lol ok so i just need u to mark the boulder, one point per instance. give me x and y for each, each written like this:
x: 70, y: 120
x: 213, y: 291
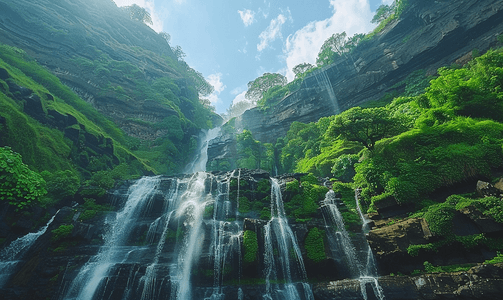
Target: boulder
x: 485, y: 224
x: 485, y: 189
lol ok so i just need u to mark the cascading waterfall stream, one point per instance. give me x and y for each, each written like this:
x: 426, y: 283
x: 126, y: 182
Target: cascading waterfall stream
x: 324, y: 81
x: 225, y: 236
x: 94, y: 273
x: 191, y: 210
x: 199, y: 163
x: 365, y: 273
x: 370, y: 272
x: 12, y: 254
x: 279, y: 237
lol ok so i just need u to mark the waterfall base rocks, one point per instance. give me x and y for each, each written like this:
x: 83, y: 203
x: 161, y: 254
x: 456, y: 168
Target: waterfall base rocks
x: 480, y: 282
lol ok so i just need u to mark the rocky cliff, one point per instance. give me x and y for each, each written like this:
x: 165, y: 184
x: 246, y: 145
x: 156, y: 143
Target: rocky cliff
x: 428, y: 35
x: 143, y: 239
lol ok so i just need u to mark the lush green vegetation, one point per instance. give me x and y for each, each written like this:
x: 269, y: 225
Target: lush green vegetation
x: 301, y: 203
x: 252, y: 154
x: 61, y: 232
x: 495, y: 260
x: 315, y: 247
x: 250, y: 245
x: 19, y: 185
x: 443, y: 135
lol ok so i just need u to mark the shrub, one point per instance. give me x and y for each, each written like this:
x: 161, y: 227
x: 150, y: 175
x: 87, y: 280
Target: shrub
x: 315, y: 247
x: 250, y: 245
x: 61, y: 232
x: 19, y: 185
x: 439, y: 219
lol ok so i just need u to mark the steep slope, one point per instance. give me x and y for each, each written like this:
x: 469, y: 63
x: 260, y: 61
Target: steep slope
x: 120, y: 66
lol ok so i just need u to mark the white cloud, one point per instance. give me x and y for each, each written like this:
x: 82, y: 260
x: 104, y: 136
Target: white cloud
x: 150, y: 7
x: 247, y: 16
x: 351, y: 16
x: 273, y: 31
x: 216, y: 81
x: 240, y: 98
x: 238, y: 90
x: 387, y: 2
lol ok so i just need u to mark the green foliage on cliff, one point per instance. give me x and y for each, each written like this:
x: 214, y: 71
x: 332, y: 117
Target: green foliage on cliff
x: 253, y: 154
x: 447, y: 134
x: 385, y: 16
x: 61, y: 232
x: 250, y: 245
x: 315, y: 247
x: 307, y: 149
x: 489, y: 206
x: 302, y: 204
x: 366, y: 126
x: 19, y: 186
x: 439, y: 218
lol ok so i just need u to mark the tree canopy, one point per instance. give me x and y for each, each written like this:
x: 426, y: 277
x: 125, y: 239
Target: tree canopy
x: 337, y: 45
x: 138, y: 13
x: 300, y: 69
x: 365, y: 126
x: 383, y: 12
x: 262, y: 84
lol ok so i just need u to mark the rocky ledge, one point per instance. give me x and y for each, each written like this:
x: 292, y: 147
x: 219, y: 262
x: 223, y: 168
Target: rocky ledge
x: 480, y: 282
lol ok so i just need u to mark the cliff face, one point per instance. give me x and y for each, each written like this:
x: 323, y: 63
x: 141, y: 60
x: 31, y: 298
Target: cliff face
x: 104, y: 56
x: 221, y: 223
x: 428, y: 35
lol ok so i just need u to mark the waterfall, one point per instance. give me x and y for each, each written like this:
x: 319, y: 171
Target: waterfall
x: 199, y: 163
x: 279, y: 238
x: 364, y: 272
x: 190, y: 210
x: 323, y: 80
x: 12, y: 254
x: 225, y: 237
x: 95, y: 272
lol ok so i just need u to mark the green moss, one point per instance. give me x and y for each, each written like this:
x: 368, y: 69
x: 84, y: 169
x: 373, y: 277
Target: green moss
x: 413, y: 250
x: 244, y: 205
x: 293, y: 186
x: 304, y: 203
x: 439, y: 219
x: 315, y: 247
x: 61, y: 232
x: 429, y: 268
x: 264, y: 186
x: 495, y: 260
x: 250, y: 245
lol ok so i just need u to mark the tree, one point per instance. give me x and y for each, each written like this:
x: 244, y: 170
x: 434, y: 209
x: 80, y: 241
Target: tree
x: 382, y: 13
x: 365, y: 125
x: 352, y: 42
x: 178, y: 52
x: 333, y: 45
x: 138, y: 13
x: 301, y: 69
x: 259, y: 86
x: 165, y: 36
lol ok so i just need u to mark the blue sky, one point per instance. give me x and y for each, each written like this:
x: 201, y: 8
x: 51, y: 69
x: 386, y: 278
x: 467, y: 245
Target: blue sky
x: 235, y: 41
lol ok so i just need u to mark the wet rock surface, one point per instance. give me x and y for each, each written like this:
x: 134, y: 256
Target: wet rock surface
x: 480, y: 282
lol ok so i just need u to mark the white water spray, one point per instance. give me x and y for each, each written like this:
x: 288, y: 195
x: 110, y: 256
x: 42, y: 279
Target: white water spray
x: 12, y: 254
x: 365, y: 273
